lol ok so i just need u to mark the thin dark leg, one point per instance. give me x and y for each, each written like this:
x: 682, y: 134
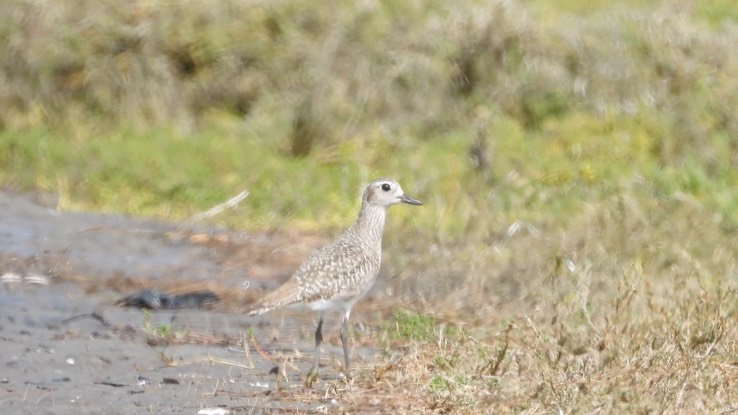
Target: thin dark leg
x: 318, y: 340
x: 344, y: 340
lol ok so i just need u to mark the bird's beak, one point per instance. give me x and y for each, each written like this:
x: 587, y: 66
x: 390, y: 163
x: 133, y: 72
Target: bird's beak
x: 409, y: 200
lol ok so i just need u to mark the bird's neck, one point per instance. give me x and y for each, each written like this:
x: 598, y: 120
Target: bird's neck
x: 369, y: 226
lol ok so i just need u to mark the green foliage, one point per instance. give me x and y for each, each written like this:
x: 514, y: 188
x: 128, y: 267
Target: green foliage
x: 210, y: 100
x: 718, y: 12
x: 413, y: 326
x: 162, y: 330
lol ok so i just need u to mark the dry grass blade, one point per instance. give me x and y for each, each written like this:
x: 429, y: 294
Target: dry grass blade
x: 228, y: 204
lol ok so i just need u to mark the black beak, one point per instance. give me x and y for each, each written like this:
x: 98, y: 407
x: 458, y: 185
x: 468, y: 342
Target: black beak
x: 409, y: 200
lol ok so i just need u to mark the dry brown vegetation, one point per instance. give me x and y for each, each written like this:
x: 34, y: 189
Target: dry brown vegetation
x: 625, y: 312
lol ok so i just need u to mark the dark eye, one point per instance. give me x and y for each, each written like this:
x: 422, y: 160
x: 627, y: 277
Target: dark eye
x: 386, y: 187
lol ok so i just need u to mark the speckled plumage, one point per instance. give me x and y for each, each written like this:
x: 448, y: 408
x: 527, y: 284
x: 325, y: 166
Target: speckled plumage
x: 339, y: 274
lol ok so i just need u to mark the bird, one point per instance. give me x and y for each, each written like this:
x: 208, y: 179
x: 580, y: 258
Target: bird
x: 336, y: 276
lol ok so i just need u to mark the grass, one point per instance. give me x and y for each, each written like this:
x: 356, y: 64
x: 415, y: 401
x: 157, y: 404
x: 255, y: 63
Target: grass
x: 153, y: 330
x: 415, y: 326
x: 577, y: 162
x: 666, y: 360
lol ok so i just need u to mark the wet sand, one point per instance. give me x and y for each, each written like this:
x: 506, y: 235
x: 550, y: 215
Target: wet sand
x: 67, y: 348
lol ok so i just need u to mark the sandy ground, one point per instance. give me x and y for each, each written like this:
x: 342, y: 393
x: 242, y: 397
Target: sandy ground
x: 67, y: 348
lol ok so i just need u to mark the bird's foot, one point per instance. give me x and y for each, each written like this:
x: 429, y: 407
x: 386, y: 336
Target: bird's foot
x: 311, y: 378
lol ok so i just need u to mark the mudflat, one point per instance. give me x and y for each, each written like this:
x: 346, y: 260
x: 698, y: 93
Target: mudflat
x: 66, y: 347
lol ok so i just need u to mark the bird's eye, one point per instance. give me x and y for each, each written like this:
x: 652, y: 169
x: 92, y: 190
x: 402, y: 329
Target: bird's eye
x: 386, y: 187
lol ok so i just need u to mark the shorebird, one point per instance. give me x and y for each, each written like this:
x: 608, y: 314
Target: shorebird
x: 336, y: 276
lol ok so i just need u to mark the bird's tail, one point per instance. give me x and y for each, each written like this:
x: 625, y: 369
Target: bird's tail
x: 288, y: 293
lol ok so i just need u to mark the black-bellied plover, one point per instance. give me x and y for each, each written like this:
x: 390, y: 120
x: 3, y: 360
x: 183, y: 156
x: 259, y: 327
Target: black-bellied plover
x: 339, y: 274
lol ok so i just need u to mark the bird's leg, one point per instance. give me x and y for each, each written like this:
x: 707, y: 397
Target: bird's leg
x: 344, y: 340
x: 312, y: 376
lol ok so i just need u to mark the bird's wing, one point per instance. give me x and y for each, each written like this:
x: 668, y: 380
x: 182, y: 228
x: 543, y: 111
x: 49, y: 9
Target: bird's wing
x: 341, y: 270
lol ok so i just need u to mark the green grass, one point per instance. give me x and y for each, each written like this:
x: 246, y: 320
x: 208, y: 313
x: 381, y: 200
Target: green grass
x: 545, y: 176
x: 161, y: 331
x: 413, y: 326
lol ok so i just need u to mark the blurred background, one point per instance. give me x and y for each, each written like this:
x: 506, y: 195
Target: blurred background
x: 563, y: 149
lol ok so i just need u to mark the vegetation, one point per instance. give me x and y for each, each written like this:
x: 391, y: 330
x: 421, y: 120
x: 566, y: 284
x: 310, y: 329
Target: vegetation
x: 578, y: 162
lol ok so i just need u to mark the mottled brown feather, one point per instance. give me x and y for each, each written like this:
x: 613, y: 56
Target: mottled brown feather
x: 286, y: 294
